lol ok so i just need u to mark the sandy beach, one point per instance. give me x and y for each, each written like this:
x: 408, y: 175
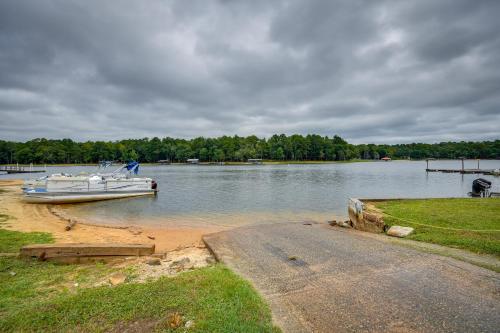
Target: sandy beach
x: 27, y: 217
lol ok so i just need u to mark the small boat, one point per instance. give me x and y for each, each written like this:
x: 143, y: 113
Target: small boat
x: 66, y: 188
x: 481, y: 188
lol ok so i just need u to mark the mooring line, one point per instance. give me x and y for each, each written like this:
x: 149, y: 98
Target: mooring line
x: 437, y: 227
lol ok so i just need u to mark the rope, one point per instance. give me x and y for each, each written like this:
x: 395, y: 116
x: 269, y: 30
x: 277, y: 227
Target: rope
x: 437, y: 227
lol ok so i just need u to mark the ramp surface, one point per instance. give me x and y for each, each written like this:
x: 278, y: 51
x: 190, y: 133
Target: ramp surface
x: 319, y: 278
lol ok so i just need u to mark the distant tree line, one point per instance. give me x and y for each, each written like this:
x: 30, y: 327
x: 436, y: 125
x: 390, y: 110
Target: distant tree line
x: 233, y: 148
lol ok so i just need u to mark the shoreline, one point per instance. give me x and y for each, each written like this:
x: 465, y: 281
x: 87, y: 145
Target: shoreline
x: 227, y: 163
x: 264, y: 162
x: 26, y: 217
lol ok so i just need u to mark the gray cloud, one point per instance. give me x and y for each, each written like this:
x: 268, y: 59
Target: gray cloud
x: 385, y: 71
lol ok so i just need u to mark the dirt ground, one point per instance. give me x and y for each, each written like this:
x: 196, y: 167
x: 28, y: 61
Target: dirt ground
x: 28, y: 217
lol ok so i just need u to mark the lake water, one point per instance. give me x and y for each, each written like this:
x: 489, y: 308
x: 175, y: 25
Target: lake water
x: 202, y: 195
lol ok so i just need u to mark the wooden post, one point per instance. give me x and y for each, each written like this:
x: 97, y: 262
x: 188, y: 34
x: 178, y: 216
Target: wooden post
x: 478, y: 163
x: 427, y: 161
x: 462, y: 164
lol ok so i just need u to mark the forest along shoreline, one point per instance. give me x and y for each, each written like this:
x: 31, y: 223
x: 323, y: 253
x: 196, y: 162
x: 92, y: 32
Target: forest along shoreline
x: 226, y: 149
x: 26, y: 217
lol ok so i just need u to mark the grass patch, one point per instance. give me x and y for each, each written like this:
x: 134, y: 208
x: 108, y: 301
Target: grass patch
x: 35, y: 282
x: 214, y: 297
x: 469, y: 223
x: 12, y: 241
x: 48, y: 297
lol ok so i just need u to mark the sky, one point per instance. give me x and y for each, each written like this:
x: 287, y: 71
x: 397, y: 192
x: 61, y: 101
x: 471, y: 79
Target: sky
x: 369, y: 71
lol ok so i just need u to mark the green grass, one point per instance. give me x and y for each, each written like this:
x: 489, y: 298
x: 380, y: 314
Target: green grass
x: 214, y: 297
x: 47, y: 297
x: 36, y: 281
x: 12, y: 241
x: 470, y: 223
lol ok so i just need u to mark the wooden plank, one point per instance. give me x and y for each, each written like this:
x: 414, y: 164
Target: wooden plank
x: 46, y: 251
x: 86, y: 260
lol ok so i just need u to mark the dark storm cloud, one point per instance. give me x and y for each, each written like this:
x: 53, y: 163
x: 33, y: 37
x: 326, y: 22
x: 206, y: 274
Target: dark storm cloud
x: 385, y: 71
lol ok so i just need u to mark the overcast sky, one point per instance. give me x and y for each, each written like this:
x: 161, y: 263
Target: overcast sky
x: 370, y: 71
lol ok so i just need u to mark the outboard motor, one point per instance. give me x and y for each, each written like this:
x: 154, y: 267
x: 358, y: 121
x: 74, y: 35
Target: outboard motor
x: 480, y: 188
x: 154, y: 186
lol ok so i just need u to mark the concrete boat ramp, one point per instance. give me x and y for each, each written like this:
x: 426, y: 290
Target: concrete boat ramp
x: 318, y: 278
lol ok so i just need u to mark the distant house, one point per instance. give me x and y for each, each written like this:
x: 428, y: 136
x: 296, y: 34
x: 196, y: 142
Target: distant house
x: 255, y: 160
x: 193, y: 161
x: 387, y: 159
x: 163, y: 162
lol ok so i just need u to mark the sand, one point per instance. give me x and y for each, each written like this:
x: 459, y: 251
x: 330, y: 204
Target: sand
x: 28, y: 217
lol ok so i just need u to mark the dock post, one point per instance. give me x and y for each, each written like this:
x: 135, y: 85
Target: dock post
x: 462, y: 158
x: 427, y: 161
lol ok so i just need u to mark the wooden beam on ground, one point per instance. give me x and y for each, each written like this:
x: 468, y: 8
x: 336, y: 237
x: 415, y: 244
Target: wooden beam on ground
x: 85, y: 250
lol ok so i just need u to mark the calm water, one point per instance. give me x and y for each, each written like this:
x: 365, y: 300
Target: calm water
x: 233, y: 195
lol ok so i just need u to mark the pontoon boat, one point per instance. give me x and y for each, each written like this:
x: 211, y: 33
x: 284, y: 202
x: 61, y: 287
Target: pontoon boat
x: 65, y: 188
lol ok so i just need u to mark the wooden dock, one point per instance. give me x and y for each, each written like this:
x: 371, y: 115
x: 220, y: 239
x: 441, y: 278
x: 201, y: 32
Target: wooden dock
x: 463, y: 170
x: 19, y: 169
x: 467, y: 171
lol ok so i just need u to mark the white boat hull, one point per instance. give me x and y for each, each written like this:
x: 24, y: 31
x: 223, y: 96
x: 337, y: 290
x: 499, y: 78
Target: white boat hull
x: 64, y: 197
